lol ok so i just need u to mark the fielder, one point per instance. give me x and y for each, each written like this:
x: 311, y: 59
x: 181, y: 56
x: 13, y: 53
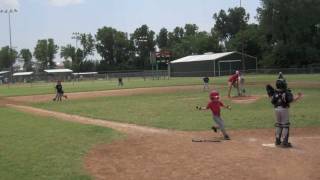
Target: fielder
x: 233, y: 81
x: 59, y: 92
x: 206, y: 83
x: 281, y: 97
x: 214, y: 105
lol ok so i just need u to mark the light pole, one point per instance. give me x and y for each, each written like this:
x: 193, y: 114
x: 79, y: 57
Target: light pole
x: 9, y: 12
x: 76, y: 36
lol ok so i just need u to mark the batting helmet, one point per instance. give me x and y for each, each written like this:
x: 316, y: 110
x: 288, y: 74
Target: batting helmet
x: 281, y: 84
x: 214, y: 95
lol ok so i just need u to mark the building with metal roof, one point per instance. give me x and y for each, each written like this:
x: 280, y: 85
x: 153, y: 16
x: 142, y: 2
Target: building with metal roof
x: 212, y: 64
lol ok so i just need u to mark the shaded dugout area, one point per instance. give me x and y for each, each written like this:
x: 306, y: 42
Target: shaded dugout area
x: 212, y: 64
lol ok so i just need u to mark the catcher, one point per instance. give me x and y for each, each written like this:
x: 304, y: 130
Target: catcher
x: 233, y: 81
x: 281, y: 97
x: 214, y: 105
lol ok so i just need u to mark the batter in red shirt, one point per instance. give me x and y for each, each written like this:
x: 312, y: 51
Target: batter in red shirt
x: 214, y: 105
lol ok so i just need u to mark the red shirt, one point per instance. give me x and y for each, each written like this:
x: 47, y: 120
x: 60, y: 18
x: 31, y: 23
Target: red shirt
x: 214, y: 106
x: 234, y: 78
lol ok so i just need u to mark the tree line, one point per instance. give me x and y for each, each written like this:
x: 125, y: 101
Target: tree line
x: 287, y: 35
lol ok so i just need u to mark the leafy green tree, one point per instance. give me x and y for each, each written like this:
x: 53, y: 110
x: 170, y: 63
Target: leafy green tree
x: 228, y: 25
x: 113, y: 46
x: 26, y: 55
x: 191, y: 29
x: 291, y: 29
x: 7, y: 57
x: 249, y: 40
x: 44, y: 52
x: 162, y: 38
x: 87, y: 42
x: 144, y: 41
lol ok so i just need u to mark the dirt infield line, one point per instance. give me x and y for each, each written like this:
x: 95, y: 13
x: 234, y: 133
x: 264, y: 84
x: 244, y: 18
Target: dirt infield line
x: 122, y: 127
x: 116, y: 92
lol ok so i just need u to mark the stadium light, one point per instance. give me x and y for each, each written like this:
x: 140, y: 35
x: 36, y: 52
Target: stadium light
x: 76, y: 36
x: 9, y: 12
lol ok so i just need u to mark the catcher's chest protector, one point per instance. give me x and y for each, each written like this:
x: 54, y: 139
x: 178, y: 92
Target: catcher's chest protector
x: 282, y: 98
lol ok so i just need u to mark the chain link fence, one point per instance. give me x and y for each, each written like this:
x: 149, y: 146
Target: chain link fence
x: 145, y: 75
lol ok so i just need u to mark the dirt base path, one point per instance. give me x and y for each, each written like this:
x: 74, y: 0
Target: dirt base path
x: 116, y: 92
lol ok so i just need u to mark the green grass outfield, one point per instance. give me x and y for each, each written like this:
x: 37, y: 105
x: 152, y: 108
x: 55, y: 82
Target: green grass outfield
x: 99, y: 85
x: 40, y: 148
x: 177, y: 110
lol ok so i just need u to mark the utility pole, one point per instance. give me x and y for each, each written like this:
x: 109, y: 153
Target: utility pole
x: 9, y: 12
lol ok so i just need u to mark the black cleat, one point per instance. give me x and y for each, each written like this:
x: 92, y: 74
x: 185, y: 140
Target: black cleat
x: 226, y: 137
x: 278, y: 142
x: 286, y: 145
x: 214, y: 129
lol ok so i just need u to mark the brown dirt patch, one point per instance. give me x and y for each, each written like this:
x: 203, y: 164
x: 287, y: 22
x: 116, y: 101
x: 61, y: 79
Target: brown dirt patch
x: 117, y: 92
x: 245, y: 99
x: 174, y: 156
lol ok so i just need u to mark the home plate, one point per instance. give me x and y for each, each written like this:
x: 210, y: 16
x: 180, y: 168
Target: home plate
x: 269, y: 145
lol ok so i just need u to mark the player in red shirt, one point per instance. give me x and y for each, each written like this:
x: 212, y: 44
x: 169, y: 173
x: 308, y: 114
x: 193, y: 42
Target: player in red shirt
x: 233, y: 81
x: 214, y: 105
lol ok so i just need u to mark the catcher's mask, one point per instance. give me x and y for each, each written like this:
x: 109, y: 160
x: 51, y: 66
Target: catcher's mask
x: 214, y: 95
x: 281, y: 84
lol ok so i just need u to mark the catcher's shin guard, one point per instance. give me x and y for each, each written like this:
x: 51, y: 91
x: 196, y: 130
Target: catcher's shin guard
x: 278, y: 133
x: 286, y: 133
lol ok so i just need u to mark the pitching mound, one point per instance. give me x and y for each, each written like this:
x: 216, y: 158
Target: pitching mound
x: 245, y: 99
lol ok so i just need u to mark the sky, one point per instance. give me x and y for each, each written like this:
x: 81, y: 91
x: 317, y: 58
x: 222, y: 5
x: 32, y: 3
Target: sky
x: 58, y: 19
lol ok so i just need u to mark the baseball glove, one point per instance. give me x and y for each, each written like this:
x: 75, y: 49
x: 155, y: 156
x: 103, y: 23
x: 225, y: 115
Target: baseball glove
x: 270, y: 90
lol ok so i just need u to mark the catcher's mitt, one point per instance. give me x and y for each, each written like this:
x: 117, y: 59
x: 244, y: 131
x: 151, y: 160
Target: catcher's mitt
x: 270, y: 90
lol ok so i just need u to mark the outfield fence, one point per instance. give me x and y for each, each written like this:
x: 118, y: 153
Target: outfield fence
x: 151, y: 75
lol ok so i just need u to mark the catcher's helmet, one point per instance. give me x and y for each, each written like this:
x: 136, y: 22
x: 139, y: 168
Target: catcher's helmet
x: 281, y: 84
x: 214, y: 95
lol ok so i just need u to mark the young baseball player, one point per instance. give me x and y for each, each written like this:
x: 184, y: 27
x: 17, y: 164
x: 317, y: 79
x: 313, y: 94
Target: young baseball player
x: 214, y: 105
x: 205, y: 83
x: 233, y: 81
x: 59, y: 92
x: 120, y: 82
x: 281, y: 97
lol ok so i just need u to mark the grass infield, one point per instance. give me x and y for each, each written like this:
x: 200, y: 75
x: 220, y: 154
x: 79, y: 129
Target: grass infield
x: 40, y: 148
x: 177, y: 110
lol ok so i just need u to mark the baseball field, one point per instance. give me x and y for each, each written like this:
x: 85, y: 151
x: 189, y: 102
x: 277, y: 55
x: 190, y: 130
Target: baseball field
x: 144, y: 131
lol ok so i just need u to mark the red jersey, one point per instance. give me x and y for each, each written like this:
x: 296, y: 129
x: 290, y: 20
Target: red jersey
x: 214, y: 106
x: 234, y: 78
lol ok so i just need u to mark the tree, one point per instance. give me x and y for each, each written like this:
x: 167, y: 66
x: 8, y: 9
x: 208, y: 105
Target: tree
x: 291, y: 29
x: 87, y: 43
x: 228, y: 25
x: 144, y: 42
x: 68, y: 53
x: 7, y: 57
x: 249, y: 40
x: 191, y: 29
x: 162, y: 38
x: 44, y: 52
x: 113, y: 46
x: 26, y: 55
